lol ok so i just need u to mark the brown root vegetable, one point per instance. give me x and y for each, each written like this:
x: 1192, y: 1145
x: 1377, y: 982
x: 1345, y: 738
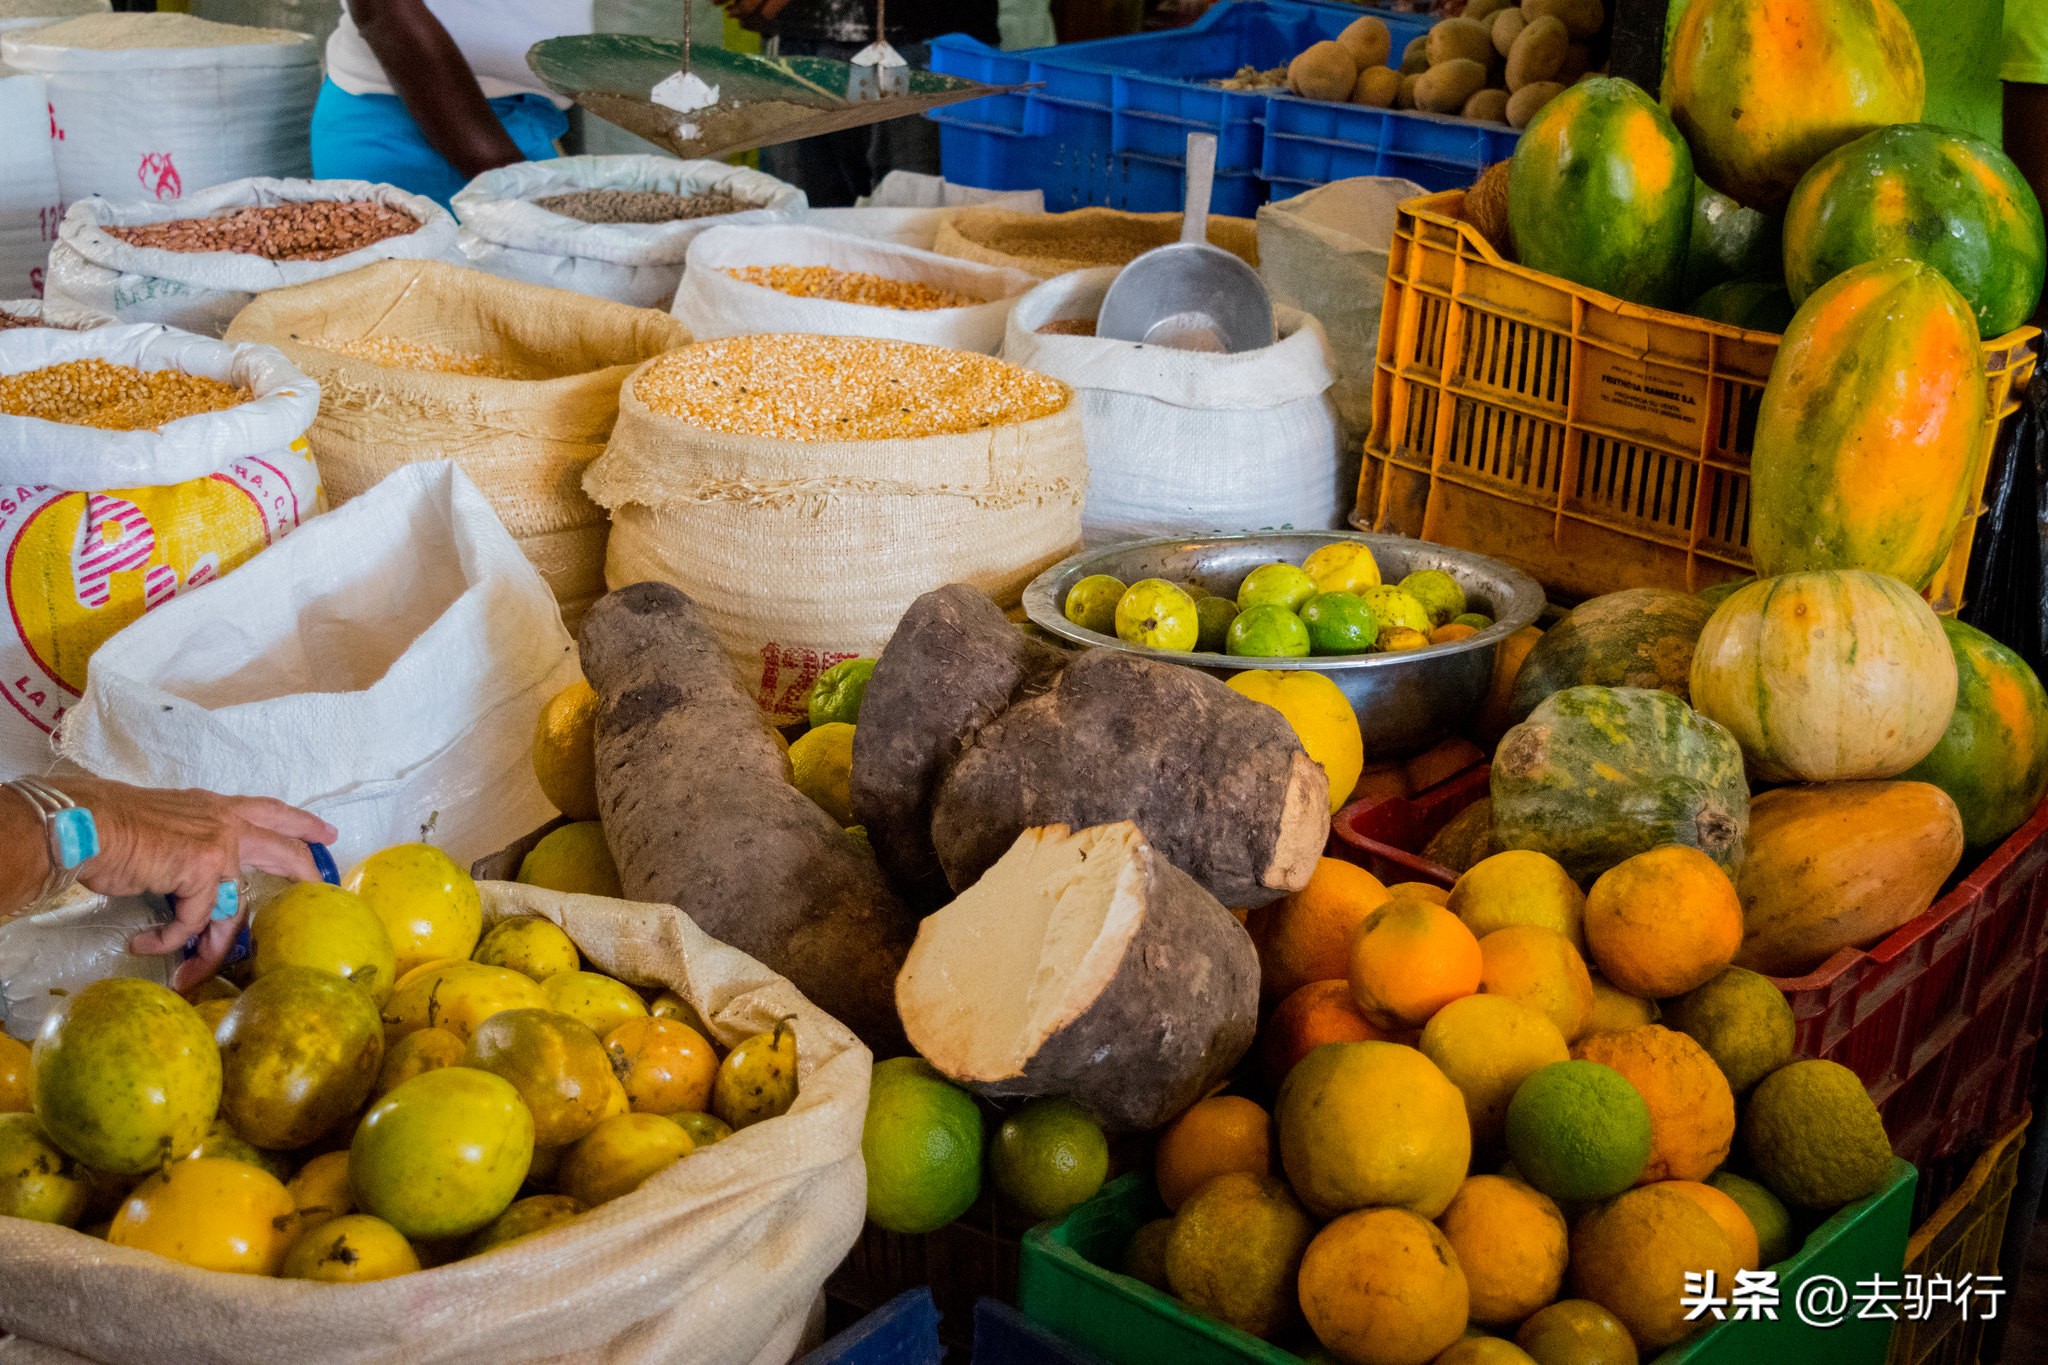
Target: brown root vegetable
x: 1539, y: 53
x: 1486, y: 205
x: 1367, y: 41
x: 1377, y: 86
x: 1404, y: 96
x: 1488, y: 106
x: 1324, y: 72
x: 1122, y: 737
x: 1507, y: 26
x: 1415, y: 56
x: 1525, y: 103
x: 1084, y: 964
x: 699, y: 813
x: 954, y: 664
x: 1583, y: 18
x: 1484, y: 10
x: 1452, y: 39
x: 1444, y: 88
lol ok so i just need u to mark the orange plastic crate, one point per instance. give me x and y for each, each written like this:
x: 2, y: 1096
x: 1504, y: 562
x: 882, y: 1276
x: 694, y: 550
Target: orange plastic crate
x: 1592, y: 443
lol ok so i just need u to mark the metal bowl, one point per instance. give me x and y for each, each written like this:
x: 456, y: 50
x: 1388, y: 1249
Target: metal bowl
x: 1405, y: 701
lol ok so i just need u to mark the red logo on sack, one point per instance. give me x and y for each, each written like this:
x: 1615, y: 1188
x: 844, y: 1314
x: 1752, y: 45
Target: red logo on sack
x: 787, y: 675
x: 56, y: 133
x: 159, y: 175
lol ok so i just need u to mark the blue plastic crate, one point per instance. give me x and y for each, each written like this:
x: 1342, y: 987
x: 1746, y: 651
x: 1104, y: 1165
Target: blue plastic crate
x: 1004, y: 1336
x: 1310, y: 143
x: 1109, y: 121
x: 903, y: 1331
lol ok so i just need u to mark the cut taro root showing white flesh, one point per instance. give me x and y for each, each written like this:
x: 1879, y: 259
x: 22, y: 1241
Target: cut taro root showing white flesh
x: 1084, y: 964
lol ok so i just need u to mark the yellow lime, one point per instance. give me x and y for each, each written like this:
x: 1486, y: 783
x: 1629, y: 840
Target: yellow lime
x: 1743, y: 1021
x: 704, y: 1129
x: 1276, y: 585
x: 352, y: 1249
x: 312, y: 924
x: 600, y: 1002
x: 836, y: 697
x: 534, y: 1214
x: 1396, y: 607
x: 126, y: 1077
x: 565, y: 751
x: 429, y: 904
x: 37, y: 1181
x: 1091, y: 603
x: 533, y: 947
x: 619, y: 1155
x: 922, y: 1147
x: 1343, y: 566
x: 443, y: 1154
x: 1156, y: 614
x: 823, y: 760
x: 1322, y: 718
x: 1049, y: 1156
x: 574, y: 860
x: 1438, y: 593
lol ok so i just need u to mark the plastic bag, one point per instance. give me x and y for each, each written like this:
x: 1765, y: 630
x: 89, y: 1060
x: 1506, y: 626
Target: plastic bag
x: 385, y: 674
x: 506, y: 233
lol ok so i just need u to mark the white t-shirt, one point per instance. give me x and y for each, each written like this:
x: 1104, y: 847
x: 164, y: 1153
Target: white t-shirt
x: 493, y: 34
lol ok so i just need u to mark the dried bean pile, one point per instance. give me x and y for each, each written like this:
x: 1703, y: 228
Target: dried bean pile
x: 99, y: 393
x: 642, y: 206
x: 1068, y: 327
x: 315, y: 231
x: 397, y: 353
x: 852, y: 286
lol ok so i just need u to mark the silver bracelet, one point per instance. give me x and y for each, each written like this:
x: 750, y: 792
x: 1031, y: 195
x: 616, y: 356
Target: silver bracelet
x: 68, y: 831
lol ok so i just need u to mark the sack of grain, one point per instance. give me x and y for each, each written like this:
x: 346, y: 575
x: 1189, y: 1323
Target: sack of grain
x: 1047, y: 244
x: 614, y: 226
x: 907, y: 208
x: 1325, y: 252
x: 383, y: 670
x: 16, y: 15
x: 156, y: 106
x: 805, y: 490
x: 41, y: 313
x: 783, y: 278
x: 123, y: 491
x: 195, y: 262
x: 518, y: 384
x: 1181, y: 442
x: 715, y: 1260
x: 30, y: 205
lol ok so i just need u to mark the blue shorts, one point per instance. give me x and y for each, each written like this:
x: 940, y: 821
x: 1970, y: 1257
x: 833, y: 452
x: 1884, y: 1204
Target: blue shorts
x: 374, y: 138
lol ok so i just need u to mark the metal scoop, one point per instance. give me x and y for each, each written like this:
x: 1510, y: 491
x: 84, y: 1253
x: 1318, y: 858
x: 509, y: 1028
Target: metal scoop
x: 1190, y: 296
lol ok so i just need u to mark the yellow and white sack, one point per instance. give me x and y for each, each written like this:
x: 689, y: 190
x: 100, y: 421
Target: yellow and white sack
x: 714, y: 1261
x: 98, y: 527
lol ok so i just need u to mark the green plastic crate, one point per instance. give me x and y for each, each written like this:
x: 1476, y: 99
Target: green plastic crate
x: 1061, y: 1286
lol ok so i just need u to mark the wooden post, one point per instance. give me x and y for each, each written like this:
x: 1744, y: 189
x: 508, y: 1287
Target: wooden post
x: 1636, y: 51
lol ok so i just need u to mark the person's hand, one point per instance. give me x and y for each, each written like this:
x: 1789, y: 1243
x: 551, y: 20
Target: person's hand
x: 183, y: 845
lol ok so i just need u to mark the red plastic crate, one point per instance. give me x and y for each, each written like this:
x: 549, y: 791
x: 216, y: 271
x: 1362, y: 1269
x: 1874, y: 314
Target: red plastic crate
x: 1940, y: 1019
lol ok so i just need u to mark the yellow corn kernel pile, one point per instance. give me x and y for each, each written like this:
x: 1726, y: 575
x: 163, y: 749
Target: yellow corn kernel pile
x: 820, y: 388
x: 399, y: 354
x: 99, y: 393
x: 852, y: 286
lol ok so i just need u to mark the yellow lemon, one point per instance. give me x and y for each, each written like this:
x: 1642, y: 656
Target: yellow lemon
x: 1343, y: 566
x: 823, y: 761
x: 565, y: 751
x: 600, y: 1002
x: 531, y: 946
x: 352, y: 1249
x: 429, y: 905
x: 1322, y: 719
x: 574, y: 860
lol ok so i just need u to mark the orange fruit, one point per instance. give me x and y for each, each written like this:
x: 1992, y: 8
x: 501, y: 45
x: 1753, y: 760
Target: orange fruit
x: 1408, y: 960
x: 1663, y: 922
x: 1729, y: 1214
x: 1420, y: 891
x: 209, y: 1212
x: 1540, y: 968
x: 1449, y: 631
x: 1692, y: 1110
x: 1218, y: 1135
x: 1307, y: 936
x: 666, y: 1066
x: 1320, y: 1012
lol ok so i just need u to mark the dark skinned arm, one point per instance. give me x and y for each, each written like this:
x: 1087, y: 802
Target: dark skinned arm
x: 432, y: 77
x: 2026, y: 133
x: 758, y: 15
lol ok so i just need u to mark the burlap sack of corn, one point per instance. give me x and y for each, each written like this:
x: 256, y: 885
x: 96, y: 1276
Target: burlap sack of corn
x: 1049, y: 244
x: 524, y: 429
x: 804, y: 553
x: 714, y: 1261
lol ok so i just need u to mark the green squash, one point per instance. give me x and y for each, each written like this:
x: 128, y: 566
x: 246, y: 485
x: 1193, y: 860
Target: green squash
x: 1993, y: 758
x: 1639, y: 637
x: 1597, y: 775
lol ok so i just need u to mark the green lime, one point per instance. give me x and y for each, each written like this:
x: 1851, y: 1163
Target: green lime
x: 1215, y: 615
x: 1478, y: 620
x: 1158, y: 615
x: 1438, y: 593
x: 1091, y: 603
x: 1578, y: 1130
x: 1048, y: 1157
x: 1281, y: 585
x: 1743, y: 1021
x: 1339, y: 623
x: 1268, y: 632
x: 922, y: 1146
x: 1775, y: 1238
x: 1393, y: 606
x: 837, y: 695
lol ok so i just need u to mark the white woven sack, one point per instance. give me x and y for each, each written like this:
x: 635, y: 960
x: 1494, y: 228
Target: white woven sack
x: 715, y: 1260
x: 161, y: 123
x: 1182, y: 442
x: 907, y: 208
x: 1325, y: 252
x: 506, y: 233
x: 202, y: 291
x: 385, y: 673
x: 98, y: 528
x: 712, y: 303
x: 30, y: 205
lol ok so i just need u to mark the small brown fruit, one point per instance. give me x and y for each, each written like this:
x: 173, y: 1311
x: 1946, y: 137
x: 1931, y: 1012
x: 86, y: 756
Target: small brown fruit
x: 1404, y: 98
x: 1507, y: 26
x: 1488, y: 106
x: 1484, y: 10
x: 1377, y: 86
x: 1368, y: 42
x: 1524, y: 103
x: 1452, y: 39
x: 1582, y: 18
x: 1486, y: 205
x: 1415, y: 56
x: 1324, y: 72
x: 1444, y: 88
x: 1538, y: 53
